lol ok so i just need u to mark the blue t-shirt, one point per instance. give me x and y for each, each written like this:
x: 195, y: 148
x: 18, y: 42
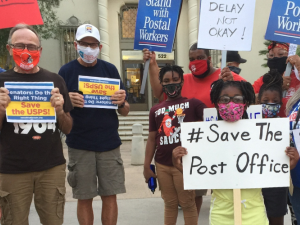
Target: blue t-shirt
x: 93, y: 129
x: 2, y: 70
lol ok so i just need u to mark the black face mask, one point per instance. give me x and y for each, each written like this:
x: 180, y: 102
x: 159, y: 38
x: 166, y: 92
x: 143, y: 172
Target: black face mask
x: 277, y: 63
x: 172, y: 90
x: 235, y: 69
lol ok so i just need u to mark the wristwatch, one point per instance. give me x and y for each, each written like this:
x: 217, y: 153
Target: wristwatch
x: 121, y: 106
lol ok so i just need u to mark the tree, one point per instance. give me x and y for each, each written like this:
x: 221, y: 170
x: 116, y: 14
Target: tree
x: 50, y: 29
x: 265, y: 52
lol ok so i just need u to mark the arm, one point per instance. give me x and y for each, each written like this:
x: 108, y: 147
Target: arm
x: 150, y: 150
x: 4, y: 101
x: 119, y: 98
x: 177, y: 157
x: 293, y: 154
x: 64, y: 120
x: 153, y: 73
x: 125, y: 110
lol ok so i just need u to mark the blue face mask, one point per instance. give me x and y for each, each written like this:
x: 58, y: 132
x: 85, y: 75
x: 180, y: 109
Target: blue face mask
x: 270, y: 110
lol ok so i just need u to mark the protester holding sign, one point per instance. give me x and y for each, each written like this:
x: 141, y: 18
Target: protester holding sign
x: 31, y: 154
x: 164, y: 135
x: 94, y: 142
x: 277, y: 59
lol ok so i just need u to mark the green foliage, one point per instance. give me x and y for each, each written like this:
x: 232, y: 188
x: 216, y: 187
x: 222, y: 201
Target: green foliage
x: 50, y: 29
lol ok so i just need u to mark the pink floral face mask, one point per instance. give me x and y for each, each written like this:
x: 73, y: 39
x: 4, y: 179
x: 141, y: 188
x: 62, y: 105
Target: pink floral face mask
x: 231, y: 111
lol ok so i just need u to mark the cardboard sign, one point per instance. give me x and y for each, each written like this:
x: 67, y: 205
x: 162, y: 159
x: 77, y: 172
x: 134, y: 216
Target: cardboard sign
x: 239, y: 155
x: 13, y: 12
x: 97, y: 91
x: 226, y: 24
x: 30, y: 102
x: 156, y: 24
x: 284, y: 24
x: 254, y: 112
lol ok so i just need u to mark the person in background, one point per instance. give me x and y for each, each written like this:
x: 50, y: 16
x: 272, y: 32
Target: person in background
x: 234, y: 60
x: 277, y: 59
x: 2, y: 70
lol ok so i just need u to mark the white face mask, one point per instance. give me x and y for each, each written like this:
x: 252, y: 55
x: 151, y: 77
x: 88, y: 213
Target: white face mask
x: 87, y: 54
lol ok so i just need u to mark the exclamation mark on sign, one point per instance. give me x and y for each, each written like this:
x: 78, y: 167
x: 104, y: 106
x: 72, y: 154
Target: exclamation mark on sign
x: 48, y: 111
x: 243, y: 33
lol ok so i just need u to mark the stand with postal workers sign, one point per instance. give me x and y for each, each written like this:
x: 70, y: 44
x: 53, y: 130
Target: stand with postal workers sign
x: 227, y: 25
x: 156, y: 26
x: 284, y: 26
x: 243, y: 152
x: 97, y: 91
x: 30, y: 102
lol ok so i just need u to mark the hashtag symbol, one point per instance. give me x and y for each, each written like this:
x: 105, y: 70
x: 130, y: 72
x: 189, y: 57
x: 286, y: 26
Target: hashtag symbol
x: 195, y: 133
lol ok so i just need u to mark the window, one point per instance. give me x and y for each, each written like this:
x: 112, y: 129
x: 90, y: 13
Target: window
x: 128, y: 21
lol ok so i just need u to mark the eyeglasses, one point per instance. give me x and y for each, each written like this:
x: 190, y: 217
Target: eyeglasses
x: 85, y: 44
x: 20, y: 47
x: 239, y: 99
x: 281, y: 54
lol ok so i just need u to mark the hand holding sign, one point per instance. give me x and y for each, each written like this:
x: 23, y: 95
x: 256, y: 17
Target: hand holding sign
x: 226, y: 74
x: 293, y: 154
x: 4, y: 99
x: 57, y: 101
x: 295, y: 61
x: 76, y: 99
x: 118, y: 97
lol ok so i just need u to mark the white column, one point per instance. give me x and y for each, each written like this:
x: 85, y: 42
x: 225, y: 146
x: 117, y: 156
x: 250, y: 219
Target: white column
x: 193, y: 21
x: 103, y: 28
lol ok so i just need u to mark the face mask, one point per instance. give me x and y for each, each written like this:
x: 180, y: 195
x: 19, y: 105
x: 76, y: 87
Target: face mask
x: 87, y: 54
x: 270, y: 110
x: 172, y: 90
x: 235, y: 69
x: 231, y: 111
x: 200, y: 68
x: 277, y: 63
x: 26, y: 60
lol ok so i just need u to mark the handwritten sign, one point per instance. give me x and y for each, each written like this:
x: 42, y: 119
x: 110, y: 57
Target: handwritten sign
x: 156, y: 25
x: 239, y: 155
x: 13, y: 12
x: 284, y: 24
x: 97, y: 91
x: 30, y: 102
x: 226, y: 24
x: 254, y: 112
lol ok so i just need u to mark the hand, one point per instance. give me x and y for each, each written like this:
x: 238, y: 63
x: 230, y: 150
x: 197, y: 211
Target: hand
x: 149, y: 55
x: 295, y: 61
x: 148, y: 173
x: 177, y: 155
x: 57, y: 101
x: 294, y: 156
x: 4, y: 99
x: 286, y: 83
x: 226, y: 74
x: 118, y: 97
x: 77, y: 99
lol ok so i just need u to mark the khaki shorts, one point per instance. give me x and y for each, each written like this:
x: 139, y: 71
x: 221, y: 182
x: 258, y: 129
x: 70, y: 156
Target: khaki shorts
x: 95, y: 173
x: 16, y: 192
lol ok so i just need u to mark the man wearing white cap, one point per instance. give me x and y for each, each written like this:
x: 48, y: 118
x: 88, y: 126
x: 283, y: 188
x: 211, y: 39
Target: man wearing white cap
x: 95, y: 164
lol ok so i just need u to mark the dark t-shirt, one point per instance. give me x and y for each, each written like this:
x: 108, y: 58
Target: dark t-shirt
x: 20, y: 151
x: 93, y: 129
x: 163, y: 119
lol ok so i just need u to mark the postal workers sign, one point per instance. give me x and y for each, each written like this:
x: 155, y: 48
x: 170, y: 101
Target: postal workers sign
x: 97, y: 91
x: 13, y: 12
x: 239, y: 155
x: 226, y: 24
x: 30, y: 102
x: 156, y: 24
x: 284, y: 22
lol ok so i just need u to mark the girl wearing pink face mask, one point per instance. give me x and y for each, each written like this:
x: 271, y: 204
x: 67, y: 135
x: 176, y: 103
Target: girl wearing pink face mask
x: 231, y: 99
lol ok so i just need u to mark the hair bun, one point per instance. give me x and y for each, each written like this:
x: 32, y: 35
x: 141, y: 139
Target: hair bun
x: 273, y: 77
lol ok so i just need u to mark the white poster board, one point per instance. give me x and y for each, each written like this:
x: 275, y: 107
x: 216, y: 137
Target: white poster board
x: 226, y: 24
x: 239, y: 155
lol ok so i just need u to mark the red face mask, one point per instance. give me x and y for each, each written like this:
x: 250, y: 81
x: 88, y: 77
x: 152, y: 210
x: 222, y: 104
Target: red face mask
x: 26, y: 60
x: 200, y: 68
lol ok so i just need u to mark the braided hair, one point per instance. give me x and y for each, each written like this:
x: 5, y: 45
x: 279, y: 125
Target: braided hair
x: 173, y: 68
x: 272, y: 82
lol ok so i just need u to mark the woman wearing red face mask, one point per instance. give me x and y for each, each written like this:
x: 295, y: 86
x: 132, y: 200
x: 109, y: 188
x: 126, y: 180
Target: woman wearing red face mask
x: 277, y: 59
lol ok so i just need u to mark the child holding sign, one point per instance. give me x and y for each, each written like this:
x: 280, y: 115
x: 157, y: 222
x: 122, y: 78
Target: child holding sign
x: 270, y: 97
x: 164, y: 128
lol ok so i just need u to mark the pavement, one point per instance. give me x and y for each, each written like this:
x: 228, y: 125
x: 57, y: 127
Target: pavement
x: 136, y: 207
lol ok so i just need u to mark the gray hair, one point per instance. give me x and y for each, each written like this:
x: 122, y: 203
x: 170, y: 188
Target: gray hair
x: 19, y: 27
x: 292, y: 101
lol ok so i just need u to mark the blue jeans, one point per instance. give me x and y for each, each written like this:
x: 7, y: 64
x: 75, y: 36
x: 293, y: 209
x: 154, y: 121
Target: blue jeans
x: 295, y: 199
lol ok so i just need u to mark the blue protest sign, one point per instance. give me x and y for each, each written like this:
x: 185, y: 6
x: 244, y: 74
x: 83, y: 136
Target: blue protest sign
x: 284, y: 23
x: 156, y: 24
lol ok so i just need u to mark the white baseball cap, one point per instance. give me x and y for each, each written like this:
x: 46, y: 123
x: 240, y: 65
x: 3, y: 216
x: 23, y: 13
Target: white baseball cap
x: 87, y: 30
